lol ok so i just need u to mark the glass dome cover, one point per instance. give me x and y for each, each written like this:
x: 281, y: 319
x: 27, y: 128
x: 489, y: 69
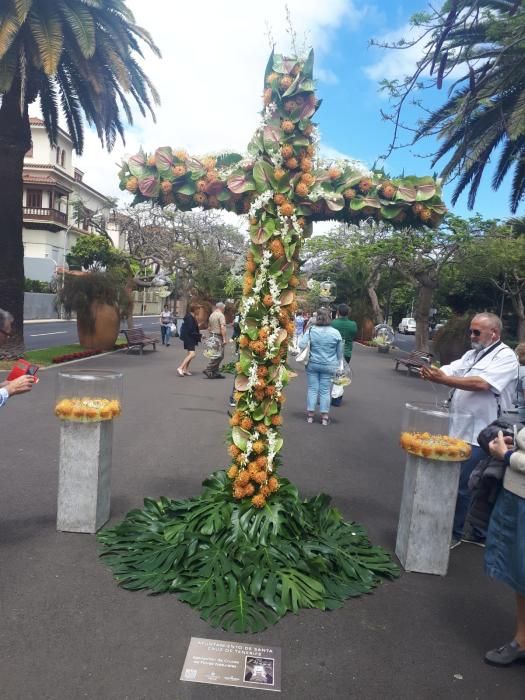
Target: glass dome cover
x: 434, y: 432
x: 88, y: 396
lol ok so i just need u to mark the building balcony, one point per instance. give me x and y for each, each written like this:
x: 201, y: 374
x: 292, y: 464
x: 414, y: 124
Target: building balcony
x: 45, y: 215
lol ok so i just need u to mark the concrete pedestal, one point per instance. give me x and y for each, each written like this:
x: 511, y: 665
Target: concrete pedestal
x: 426, y: 516
x: 84, y: 481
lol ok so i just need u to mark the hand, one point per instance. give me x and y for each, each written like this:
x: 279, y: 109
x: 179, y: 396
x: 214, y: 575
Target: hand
x: 500, y: 446
x: 432, y: 374
x: 20, y: 385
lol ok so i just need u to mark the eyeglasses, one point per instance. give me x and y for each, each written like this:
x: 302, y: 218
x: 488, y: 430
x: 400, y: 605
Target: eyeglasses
x: 474, y: 331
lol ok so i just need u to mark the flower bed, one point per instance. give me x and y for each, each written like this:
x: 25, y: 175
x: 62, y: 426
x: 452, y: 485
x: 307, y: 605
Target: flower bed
x: 82, y: 354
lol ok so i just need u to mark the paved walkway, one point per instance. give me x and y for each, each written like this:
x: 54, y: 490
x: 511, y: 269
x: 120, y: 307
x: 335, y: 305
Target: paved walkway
x: 68, y: 632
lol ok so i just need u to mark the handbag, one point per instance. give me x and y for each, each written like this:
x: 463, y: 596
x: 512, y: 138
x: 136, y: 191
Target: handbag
x: 173, y: 330
x: 304, y: 355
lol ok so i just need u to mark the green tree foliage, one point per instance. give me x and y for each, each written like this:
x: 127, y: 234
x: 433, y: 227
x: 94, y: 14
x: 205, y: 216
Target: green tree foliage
x: 78, y: 58
x: 93, y: 252
x: 479, y: 46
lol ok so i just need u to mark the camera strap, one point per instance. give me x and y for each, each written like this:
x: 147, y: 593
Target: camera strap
x: 483, y: 355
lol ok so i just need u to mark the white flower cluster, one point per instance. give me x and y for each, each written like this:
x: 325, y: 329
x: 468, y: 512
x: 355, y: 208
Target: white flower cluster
x: 252, y: 376
x: 272, y: 438
x: 260, y: 201
x: 280, y: 381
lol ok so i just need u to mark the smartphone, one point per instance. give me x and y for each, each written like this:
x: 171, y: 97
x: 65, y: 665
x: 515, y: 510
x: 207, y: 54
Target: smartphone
x: 32, y: 370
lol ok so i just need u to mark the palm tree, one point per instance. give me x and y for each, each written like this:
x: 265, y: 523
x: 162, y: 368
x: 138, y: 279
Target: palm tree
x: 78, y: 57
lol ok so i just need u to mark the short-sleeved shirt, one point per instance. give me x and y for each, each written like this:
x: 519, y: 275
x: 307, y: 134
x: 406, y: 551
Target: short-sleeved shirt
x: 216, y: 322
x: 499, y: 369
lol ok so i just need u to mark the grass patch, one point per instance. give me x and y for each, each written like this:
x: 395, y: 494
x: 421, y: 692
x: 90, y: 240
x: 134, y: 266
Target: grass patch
x: 44, y: 357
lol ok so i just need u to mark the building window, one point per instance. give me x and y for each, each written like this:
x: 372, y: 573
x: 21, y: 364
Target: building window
x: 58, y: 155
x: 34, y: 199
x: 63, y: 158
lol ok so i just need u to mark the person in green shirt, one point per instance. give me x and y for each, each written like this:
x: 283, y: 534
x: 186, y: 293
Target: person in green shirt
x: 347, y: 328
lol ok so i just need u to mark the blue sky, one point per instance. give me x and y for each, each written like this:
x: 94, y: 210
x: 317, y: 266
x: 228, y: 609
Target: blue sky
x: 210, y: 82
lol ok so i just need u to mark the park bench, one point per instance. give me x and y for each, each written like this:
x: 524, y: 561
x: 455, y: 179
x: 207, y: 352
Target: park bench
x: 414, y: 360
x: 137, y: 339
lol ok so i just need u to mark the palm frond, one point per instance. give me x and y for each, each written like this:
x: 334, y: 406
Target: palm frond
x: 511, y: 151
x: 8, y: 69
x: 518, y: 185
x: 22, y: 9
x: 46, y: 29
x: 9, y: 27
x: 49, y: 106
x: 80, y: 21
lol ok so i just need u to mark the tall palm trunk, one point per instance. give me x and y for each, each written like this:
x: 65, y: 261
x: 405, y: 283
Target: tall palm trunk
x: 15, y: 141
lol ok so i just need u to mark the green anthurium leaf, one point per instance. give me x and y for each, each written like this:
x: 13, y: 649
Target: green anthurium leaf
x: 260, y: 235
x: 277, y: 265
x: 390, y: 212
x: 300, y: 141
x: 372, y: 202
x: 241, y: 382
x: 336, y: 202
x: 286, y: 273
x: 149, y: 186
x: 263, y: 176
x: 287, y: 297
x: 164, y: 159
x: 137, y: 163
x: 439, y: 208
x: 256, y: 251
x: 289, y: 249
x: 251, y: 328
x: 425, y: 192
x: 357, y: 203
x: 278, y: 443
x: 282, y: 64
x: 406, y: 193
x: 240, y: 437
x: 225, y: 160
x: 256, y: 145
x: 245, y: 360
x: 240, y: 183
x: 293, y: 87
x: 307, y: 86
x: 187, y: 188
x: 258, y: 414
x: 308, y: 66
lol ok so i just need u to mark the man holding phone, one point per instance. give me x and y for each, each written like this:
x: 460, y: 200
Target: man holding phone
x: 482, y: 385
x: 22, y: 384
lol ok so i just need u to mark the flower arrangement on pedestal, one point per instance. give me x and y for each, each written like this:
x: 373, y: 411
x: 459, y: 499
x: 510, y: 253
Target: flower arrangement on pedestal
x: 248, y: 549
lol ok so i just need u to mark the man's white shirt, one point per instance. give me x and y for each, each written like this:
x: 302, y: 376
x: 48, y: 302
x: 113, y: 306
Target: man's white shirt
x: 3, y: 396
x: 498, y: 368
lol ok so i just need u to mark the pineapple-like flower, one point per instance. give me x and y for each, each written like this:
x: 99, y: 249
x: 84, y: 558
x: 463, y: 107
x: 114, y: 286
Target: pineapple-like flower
x: 243, y: 478
x: 258, y: 347
x: 264, y: 490
x: 246, y: 423
x: 179, y: 170
x: 201, y: 185
x: 306, y: 165
x: 307, y: 178
x: 261, y: 462
x: 279, y: 173
x: 277, y: 247
x: 235, y: 420
x: 292, y: 163
x: 259, y: 501
x: 425, y: 214
x: 279, y: 198
x: 250, y: 266
x: 285, y: 82
x: 287, y: 151
x: 132, y: 184
x: 240, y: 459
x: 260, y: 477
x: 334, y: 173
x: 270, y: 391
x: 249, y: 490
x: 301, y: 189
x: 388, y: 190
x: 234, y: 450
x: 261, y: 428
x: 262, y: 335
x: 267, y: 300
x: 287, y: 209
x: 200, y: 199
x: 180, y: 155
x: 277, y: 420
x: 244, y: 341
x: 287, y: 126
x: 209, y: 163
x: 232, y: 471
x: 259, y: 395
x: 365, y: 184
x: 262, y: 371
x: 258, y: 447
x: 349, y: 193
x: 273, y: 484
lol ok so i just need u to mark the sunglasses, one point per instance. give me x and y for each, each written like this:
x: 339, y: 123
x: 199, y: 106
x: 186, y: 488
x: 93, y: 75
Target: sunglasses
x: 474, y: 332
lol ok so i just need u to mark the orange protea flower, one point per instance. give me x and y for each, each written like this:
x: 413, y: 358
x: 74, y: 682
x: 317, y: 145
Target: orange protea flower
x: 334, y: 173
x: 259, y: 501
x: 234, y: 420
x: 365, y: 184
x: 253, y: 468
x: 287, y: 209
x: 307, y: 178
x: 261, y: 428
x: 290, y: 106
x: 246, y: 423
x: 388, y: 190
x: 280, y: 399
x: 234, y: 450
x: 306, y: 165
x: 273, y: 484
x: 261, y: 462
x: 302, y: 189
x: 277, y: 247
x: 238, y: 493
x: 425, y: 214
x: 240, y: 459
x: 258, y: 347
x: 287, y: 126
x: 277, y: 420
x: 200, y: 199
x: 262, y: 371
x: 267, y: 96
x: 212, y: 175
x: 258, y: 447
x: 180, y: 154
x: 259, y: 394
x: 260, y: 477
x: 179, y: 170
x: 250, y: 266
x: 165, y: 186
x: 278, y: 173
x: 264, y: 490
x: 132, y: 184
x: 263, y: 334
x: 276, y: 360
x: 293, y: 281
x: 232, y: 471
x: 249, y: 490
x: 290, y: 328
x: 270, y: 390
x: 201, y: 185
x: 285, y: 82
x: 267, y: 300
x: 292, y: 163
x: 244, y: 341
x: 287, y: 151
x: 260, y: 383
x: 272, y: 78
x: 279, y: 198
x: 350, y: 193
x: 242, y: 478
x: 209, y: 163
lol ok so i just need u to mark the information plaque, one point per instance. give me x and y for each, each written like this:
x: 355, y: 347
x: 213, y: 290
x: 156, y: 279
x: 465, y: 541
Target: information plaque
x: 233, y: 663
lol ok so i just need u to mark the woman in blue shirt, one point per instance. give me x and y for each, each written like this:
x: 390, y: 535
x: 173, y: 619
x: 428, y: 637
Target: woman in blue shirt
x: 326, y: 353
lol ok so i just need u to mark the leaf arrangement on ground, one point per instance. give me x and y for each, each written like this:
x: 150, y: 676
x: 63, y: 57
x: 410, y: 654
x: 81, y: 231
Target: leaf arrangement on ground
x: 241, y: 567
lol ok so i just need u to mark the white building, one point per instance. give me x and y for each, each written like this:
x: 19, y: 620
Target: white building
x: 51, y: 185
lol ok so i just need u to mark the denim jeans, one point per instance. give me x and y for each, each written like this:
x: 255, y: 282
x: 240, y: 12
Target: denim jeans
x: 165, y: 332
x: 464, y: 496
x: 319, y: 384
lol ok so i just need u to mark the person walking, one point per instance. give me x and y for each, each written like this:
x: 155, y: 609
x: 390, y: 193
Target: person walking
x: 483, y: 384
x: 326, y: 353
x: 166, y: 319
x: 347, y: 328
x: 299, y: 322
x: 217, y: 328
x: 191, y: 337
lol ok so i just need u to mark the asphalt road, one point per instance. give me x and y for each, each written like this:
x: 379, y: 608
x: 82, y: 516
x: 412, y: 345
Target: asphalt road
x: 68, y: 632
x: 48, y: 334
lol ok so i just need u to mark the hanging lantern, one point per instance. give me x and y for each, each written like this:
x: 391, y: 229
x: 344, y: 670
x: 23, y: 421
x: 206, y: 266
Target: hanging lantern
x: 327, y: 291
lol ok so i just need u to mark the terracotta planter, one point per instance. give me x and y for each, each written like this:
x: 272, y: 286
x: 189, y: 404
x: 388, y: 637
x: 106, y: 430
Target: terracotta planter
x: 106, y: 330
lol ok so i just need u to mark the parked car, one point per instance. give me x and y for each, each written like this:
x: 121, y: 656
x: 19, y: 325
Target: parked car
x: 407, y: 325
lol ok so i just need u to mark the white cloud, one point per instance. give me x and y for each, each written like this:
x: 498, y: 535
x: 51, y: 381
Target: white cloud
x: 210, y: 77
x: 397, y: 63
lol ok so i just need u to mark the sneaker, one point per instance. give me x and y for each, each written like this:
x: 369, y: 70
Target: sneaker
x: 505, y: 655
x: 455, y: 542
x: 309, y: 419
x: 325, y: 420
x: 232, y: 403
x: 472, y: 539
x: 216, y: 376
